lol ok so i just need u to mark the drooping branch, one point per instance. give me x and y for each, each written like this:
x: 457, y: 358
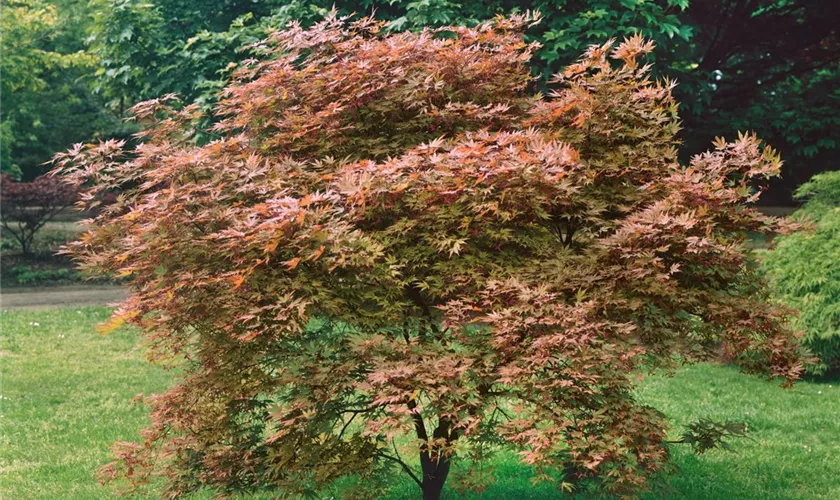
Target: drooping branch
x: 404, y: 467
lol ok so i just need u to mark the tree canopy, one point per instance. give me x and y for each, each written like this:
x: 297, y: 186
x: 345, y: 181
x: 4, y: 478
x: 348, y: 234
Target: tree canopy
x: 394, y: 246
x: 72, y: 70
x: 48, y: 103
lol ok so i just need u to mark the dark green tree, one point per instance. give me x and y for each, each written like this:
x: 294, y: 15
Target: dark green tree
x: 767, y: 65
x: 47, y: 103
x: 770, y: 66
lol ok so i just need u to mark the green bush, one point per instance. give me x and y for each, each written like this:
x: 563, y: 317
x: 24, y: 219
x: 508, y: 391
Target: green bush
x: 804, y: 269
x: 7, y: 244
x: 27, y: 275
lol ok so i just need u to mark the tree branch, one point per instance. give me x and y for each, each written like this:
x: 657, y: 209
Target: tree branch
x: 404, y: 466
x: 346, y: 425
x: 419, y: 425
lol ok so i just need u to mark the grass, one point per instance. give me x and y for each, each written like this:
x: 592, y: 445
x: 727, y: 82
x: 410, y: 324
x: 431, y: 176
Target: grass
x: 794, y: 450
x: 66, y: 395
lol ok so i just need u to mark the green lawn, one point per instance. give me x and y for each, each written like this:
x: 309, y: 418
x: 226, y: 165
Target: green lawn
x: 66, y: 395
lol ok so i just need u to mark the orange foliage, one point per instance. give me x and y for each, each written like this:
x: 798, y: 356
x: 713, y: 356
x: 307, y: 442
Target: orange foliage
x: 394, y: 237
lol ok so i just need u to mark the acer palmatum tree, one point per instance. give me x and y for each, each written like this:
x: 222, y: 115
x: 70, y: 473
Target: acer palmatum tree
x: 395, y: 257
x: 26, y: 207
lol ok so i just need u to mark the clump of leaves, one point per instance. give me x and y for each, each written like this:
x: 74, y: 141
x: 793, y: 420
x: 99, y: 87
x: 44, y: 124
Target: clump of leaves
x: 706, y: 434
x: 396, y: 250
x: 25, y: 207
x: 805, y: 269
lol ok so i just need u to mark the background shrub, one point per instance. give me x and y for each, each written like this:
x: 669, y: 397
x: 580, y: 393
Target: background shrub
x: 29, y: 275
x: 25, y: 207
x: 805, y: 269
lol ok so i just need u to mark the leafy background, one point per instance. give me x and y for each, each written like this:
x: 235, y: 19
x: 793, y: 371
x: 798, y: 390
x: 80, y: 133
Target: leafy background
x: 72, y: 68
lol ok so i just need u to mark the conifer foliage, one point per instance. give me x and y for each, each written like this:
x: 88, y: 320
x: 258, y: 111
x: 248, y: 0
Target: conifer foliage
x: 396, y: 258
x: 804, y: 270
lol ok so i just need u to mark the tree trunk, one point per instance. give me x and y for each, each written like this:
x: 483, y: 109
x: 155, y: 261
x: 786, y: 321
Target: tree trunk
x: 434, y: 475
x: 436, y: 470
x: 26, y: 246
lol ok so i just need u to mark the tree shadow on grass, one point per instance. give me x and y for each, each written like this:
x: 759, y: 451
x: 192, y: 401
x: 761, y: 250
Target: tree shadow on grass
x: 717, y: 475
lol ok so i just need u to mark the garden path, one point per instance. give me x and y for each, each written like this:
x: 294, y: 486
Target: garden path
x: 60, y: 296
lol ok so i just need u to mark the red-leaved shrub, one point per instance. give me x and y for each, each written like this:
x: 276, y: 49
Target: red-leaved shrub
x: 25, y: 207
x: 396, y: 250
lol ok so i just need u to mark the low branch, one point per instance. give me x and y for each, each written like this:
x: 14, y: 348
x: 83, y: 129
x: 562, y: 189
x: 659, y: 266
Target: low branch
x: 346, y: 425
x: 404, y: 466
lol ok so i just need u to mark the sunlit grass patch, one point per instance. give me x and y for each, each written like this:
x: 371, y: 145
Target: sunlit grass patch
x: 66, y: 397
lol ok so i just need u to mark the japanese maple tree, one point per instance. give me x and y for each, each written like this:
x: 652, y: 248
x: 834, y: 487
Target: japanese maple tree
x: 26, y: 207
x: 396, y: 257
